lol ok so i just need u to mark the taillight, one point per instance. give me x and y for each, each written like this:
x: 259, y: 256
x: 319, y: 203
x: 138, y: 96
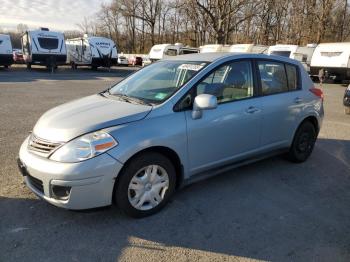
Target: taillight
x: 317, y: 92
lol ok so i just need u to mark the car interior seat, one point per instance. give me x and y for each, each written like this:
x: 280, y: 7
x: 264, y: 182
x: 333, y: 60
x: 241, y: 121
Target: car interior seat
x: 235, y: 85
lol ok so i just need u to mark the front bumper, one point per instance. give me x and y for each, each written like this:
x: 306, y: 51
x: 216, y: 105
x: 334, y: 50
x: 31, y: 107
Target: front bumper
x: 91, y: 182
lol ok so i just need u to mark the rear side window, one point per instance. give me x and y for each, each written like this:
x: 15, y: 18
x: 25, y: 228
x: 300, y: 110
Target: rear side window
x: 48, y: 43
x: 273, y: 77
x: 292, y: 75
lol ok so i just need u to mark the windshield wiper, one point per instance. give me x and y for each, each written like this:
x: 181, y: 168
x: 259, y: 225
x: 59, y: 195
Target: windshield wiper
x: 138, y: 100
x: 131, y: 99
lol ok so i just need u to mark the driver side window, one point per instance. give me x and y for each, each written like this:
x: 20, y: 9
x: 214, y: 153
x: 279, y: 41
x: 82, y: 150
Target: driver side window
x: 229, y: 82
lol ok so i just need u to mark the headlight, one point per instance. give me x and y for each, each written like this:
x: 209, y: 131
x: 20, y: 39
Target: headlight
x: 84, y: 147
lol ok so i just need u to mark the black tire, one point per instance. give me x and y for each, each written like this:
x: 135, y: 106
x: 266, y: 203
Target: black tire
x: 134, y: 165
x: 6, y: 66
x: 94, y: 68
x: 303, y: 143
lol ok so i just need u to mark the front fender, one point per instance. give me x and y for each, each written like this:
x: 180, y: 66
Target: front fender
x: 155, y: 131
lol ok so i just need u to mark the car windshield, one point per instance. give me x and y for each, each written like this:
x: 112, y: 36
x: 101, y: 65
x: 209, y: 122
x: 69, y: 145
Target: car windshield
x: 157, y: 82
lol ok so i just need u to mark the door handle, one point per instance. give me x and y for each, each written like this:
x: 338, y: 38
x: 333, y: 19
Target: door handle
x: 252, y: 110
x: 298, y: 100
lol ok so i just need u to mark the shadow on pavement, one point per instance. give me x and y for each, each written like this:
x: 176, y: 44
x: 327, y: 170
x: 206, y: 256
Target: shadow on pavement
x: 270, y: 210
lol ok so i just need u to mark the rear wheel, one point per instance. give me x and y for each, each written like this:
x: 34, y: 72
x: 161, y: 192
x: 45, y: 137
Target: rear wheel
x: 145, y: 185
x: 303, y: 143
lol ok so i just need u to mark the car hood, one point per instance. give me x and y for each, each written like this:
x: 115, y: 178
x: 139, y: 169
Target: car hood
x: 85, y: 115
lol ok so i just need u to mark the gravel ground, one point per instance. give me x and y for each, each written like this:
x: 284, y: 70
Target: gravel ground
x: 270, y: 210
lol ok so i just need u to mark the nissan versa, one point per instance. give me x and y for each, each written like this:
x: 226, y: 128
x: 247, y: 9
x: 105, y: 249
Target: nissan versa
x: 173, y: 122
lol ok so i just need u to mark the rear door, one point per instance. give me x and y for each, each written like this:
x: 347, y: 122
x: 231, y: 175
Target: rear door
x: 281, y: 98
x: 232, y: 130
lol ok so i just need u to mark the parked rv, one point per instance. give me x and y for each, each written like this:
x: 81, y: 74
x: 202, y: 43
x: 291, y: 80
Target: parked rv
x: 6, y: 58
x: 214, y: 48
x: 334, y: 59
x: 304, y: 54
x: 165, y: 50
x: 44, y: 47
x: 91, y: 51
x: 248, y: 48
x: 283, y: 50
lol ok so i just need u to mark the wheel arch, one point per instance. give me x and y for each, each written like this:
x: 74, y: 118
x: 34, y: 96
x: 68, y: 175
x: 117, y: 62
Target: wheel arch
x: 166, y: 151
x: 310, y: 118
x: 313, y: 120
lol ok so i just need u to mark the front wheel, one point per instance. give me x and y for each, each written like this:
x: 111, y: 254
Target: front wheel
x: 145, y: 185
x: 303, y: 143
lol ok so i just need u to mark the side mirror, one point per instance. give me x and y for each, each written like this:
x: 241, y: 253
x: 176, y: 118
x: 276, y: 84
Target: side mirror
x: 203, y: 102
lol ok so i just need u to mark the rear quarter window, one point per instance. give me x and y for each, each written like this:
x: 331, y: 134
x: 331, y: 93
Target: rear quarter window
x: 292, y: 76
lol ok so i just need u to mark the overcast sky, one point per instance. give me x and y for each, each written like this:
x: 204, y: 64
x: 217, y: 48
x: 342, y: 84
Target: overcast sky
x: 55, y: 14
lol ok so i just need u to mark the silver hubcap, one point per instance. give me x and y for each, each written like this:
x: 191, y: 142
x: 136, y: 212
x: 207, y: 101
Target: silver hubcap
x: 148, y: 186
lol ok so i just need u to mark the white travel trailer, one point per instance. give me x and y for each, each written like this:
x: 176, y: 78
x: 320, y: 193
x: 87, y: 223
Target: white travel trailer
x: 214, y: 48
x: 283, y: 50
x: 44, y: 47
x: 334, y: 59
x: 163, y: 50
x: 304, y: 54
x: 248, y: 48
x: 300, y: 53
x: 6, y: 57
x: 91, y: 51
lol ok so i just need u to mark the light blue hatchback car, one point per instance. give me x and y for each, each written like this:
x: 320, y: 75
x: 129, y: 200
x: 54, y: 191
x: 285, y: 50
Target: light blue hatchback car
x: 171, y: 123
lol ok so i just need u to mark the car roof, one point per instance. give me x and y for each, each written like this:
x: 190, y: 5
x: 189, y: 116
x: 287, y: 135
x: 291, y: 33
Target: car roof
x: 211, y: 57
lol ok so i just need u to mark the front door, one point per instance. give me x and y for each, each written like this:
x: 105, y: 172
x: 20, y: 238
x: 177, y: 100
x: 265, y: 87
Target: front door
x: 232, y: 130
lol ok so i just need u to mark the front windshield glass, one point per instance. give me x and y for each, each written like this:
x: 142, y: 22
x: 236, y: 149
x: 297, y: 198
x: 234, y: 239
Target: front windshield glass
x: 157, y: 82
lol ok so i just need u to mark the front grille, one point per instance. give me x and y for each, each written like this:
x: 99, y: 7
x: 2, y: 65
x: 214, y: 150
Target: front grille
x: 36, y: 183
x: 41, y: 146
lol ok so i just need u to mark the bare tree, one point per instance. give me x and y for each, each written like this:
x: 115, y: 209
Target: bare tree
x: 136, y: 25
x: 22, y: 28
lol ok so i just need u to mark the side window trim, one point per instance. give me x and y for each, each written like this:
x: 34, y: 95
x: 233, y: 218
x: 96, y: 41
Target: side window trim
x: 286, y: 72
x: 254, y: 78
